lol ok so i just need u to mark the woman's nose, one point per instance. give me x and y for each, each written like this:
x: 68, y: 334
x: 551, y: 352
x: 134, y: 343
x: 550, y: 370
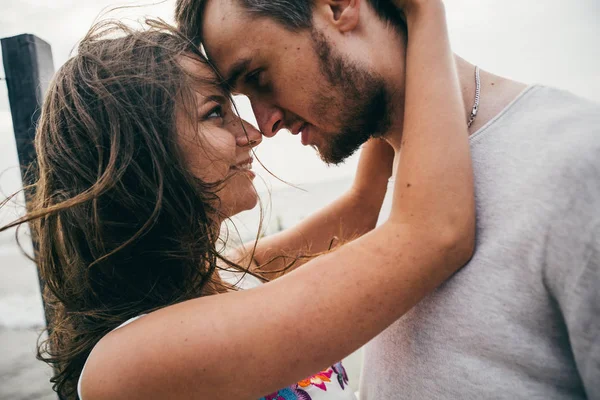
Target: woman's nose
x: 250, y: 136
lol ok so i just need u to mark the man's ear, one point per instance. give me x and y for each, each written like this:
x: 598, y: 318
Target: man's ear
x: 343, y: 15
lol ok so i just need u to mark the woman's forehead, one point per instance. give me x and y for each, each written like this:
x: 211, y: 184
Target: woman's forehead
x: 204, y: 79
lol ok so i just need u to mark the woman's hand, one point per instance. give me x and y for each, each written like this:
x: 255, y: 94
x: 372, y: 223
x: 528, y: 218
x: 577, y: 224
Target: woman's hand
x: 412, y: 8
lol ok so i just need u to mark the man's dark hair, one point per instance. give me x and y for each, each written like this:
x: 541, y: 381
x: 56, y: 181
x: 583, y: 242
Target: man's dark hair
x: 293, y: 15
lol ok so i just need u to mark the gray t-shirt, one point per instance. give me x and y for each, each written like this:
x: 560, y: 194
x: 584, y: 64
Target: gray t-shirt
x: 522, y: 319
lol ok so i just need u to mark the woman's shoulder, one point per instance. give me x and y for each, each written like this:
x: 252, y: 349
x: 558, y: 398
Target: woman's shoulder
x: 83, y: 369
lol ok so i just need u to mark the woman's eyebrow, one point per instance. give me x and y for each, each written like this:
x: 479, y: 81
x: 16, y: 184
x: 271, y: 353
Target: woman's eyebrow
x: 217, y: 98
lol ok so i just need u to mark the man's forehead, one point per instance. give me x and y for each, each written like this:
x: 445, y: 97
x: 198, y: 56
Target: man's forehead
x: 225, y: 32
x: 234, y: 39
x: 222, y: 22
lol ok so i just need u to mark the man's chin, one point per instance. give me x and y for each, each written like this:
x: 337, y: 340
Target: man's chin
x: 343, y: 146
x: 331, y: 157
x: 327, y: 159
x: 327, y: 154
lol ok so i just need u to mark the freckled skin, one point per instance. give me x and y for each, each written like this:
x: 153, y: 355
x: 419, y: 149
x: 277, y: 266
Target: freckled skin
x: 211, y: 146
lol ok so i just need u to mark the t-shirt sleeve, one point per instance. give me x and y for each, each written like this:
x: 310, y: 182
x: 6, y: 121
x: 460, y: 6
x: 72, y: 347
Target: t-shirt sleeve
x: 572, y: 271
x: 580, y: 305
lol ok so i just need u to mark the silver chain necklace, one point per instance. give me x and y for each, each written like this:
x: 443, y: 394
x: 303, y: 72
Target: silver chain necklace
x: 473, y: 111
x: 477, y: 97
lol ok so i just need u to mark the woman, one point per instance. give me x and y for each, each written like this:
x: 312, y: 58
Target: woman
x: 140, y: 161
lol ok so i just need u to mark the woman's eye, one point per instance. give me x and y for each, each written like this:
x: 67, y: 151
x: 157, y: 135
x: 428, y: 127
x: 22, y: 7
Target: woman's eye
x: 216, y: 112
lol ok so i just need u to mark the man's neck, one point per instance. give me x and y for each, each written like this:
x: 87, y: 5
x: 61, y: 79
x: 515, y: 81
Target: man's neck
x: 496, y: 94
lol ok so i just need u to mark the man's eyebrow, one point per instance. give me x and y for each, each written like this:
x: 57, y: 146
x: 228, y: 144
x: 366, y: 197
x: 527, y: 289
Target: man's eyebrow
x: 238, y: 69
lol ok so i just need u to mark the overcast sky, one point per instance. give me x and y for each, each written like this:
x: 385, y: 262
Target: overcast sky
x: 553, y: 42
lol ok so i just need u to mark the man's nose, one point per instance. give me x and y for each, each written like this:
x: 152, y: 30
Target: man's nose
x: 270, y: 119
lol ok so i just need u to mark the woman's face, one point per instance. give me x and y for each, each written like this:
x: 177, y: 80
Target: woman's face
x: 215, y: 147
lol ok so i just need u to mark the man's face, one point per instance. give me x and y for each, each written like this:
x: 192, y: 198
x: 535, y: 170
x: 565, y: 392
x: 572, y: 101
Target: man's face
x: 296, y: 80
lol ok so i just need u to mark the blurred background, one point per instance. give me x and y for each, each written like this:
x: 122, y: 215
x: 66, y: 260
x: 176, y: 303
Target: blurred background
x: 549, y: 42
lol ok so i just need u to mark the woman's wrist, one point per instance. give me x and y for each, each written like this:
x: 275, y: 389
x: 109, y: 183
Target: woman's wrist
x: 367, y: 199
x: 418, y: 10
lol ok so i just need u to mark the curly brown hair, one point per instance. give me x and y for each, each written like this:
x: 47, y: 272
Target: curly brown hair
x: 121, y: 226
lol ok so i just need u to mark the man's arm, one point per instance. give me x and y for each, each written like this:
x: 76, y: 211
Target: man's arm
x: 348, y: 217
x: 572, y: 270
x: 578, y: 297
x: 584, y: 319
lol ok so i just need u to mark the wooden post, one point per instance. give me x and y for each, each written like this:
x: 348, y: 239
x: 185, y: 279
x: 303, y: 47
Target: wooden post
x: 28, y: 67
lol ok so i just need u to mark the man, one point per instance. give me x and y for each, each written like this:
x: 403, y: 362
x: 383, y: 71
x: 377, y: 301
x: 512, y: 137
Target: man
x: 522, y: 319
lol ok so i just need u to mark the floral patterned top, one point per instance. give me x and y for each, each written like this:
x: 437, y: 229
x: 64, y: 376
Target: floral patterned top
x: 331, y: 384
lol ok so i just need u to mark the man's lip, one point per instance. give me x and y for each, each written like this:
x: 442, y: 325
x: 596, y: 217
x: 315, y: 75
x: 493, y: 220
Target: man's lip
x: 299, y: 128
x: 305, y: 138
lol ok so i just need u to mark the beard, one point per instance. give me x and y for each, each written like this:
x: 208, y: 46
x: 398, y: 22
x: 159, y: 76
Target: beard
x: 361, y: 98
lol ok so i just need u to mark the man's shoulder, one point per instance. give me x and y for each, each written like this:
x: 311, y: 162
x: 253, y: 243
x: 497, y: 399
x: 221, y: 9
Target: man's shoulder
x: 565, y: 131
x: 566, y: 158
x: 572, y: 128
x: 559, y: 111
x: 546, y: 147
x: 547, y: 120
x: 544, y: 106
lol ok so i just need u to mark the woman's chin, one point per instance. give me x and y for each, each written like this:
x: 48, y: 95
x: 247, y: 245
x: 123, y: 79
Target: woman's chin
x: 241, y: 204
x: 249, y: 203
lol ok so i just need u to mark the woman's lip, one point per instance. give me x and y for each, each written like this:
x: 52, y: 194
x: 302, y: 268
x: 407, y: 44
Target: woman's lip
x: 245, y: 167
x: 247, y: 161
x: 244, y: 171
